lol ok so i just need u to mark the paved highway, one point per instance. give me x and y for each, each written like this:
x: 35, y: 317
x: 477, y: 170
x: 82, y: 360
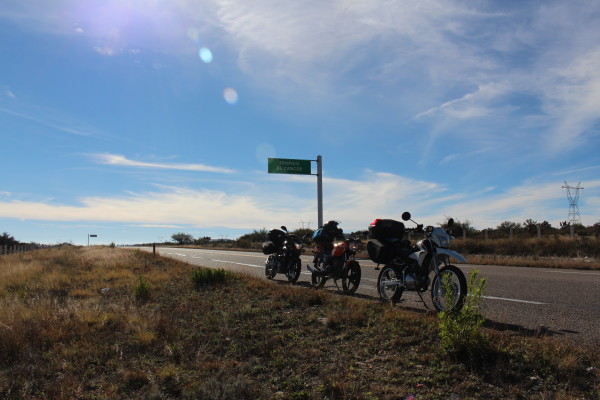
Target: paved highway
x: 561, y: 303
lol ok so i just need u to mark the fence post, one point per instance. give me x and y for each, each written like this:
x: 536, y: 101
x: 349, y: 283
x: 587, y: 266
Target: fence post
x: 510, y: 234
x: 464, y: 234
x: 539, y: 231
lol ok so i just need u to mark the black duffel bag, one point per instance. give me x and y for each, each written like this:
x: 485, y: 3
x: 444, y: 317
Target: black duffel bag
x: 269, y: 248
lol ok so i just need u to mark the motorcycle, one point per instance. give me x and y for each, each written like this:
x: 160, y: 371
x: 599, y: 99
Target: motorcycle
x: 284, y: 250
x: 343, y: 266
x: 408, y: 267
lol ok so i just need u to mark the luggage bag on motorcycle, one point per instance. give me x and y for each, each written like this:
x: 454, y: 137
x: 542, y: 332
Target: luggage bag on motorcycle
x: 379, y: 252
x: 276, y: 236
x: 269, y: 248
x: 385, y: 229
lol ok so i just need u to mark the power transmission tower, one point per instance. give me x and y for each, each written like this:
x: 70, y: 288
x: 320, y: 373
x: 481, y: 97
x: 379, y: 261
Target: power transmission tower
x: 574, y: 217
x: 307, y: 224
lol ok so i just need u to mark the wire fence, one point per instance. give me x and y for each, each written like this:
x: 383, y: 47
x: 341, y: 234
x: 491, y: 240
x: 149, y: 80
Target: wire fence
x: 17, y: 248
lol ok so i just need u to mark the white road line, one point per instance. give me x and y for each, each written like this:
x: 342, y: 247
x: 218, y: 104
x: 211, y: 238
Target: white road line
x: 514, y: 300
x: 369, y: 279
x: 237, y: 263
x: 575, y: 272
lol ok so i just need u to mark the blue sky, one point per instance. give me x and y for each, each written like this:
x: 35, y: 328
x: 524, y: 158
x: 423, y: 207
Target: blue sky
x: 136, y: 119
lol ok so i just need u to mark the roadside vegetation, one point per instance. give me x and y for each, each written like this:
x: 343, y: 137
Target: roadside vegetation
x: 106, y: 322
x: 554, y: 249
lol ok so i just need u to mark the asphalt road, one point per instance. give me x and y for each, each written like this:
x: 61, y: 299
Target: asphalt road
x: 561, y: 303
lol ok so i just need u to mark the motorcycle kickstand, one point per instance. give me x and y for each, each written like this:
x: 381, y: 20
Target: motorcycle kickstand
x: 423, y: 301
x: 336, y: 284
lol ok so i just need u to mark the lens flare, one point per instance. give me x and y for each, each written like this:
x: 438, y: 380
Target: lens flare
x: 205, y: 55
x: 230, y: 96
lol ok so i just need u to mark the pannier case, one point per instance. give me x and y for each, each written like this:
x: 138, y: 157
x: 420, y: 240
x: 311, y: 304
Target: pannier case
x: 379, y: 252
x: 385, y: 229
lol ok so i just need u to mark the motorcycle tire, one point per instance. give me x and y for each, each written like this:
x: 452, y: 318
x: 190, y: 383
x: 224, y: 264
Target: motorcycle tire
x: 317, y: 279
x: 387, y: 285
x: 271, y: 267
x: 294, y: 270
x: 351, y: 277
x: 449, y: 289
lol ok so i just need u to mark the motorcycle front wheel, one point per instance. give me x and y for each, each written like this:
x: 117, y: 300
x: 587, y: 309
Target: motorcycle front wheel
x: 317, y: 279
x: 351, y: 278
x: 449, y: 289
x: 388, y: 284
x: 294, y: 270
x: 271, y: 267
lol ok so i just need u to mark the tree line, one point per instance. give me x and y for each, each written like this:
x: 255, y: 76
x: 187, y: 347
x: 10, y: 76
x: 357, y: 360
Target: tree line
x: 528, y: 228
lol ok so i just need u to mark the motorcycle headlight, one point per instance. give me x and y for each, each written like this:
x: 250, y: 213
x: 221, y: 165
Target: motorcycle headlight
x: 444, y: 240
x: 299, y: 246
x: 354, y: 246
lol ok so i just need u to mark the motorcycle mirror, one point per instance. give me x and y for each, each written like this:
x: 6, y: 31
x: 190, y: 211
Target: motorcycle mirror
x: 283, y: 228
x: 450, y: 222
x: 406, y: 216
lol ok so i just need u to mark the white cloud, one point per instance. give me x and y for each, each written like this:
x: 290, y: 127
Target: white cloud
x: 353, y: 202
x: 452, y: 157
x: 116, y: 159
x: 572, y: 97
x: 45, y: 116
x: 105, y: 50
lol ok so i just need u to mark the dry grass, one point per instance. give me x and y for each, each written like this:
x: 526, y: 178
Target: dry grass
x: 71, y: 327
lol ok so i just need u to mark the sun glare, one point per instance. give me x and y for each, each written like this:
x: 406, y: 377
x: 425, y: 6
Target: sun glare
x: 205, y: 55
x: 230, y: 96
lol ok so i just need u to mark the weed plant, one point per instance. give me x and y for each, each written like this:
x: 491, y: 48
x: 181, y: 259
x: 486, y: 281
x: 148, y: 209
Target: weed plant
x: 141, y: 291
x: 461, y: 332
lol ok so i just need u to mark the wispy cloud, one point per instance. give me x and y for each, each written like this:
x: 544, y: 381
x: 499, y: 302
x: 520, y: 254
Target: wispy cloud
x: 451, y: 157
x: 577, y: 170
x: 13, y: 105
x: 116, y: 159
x: 354, y: 202
x: 7, y: 92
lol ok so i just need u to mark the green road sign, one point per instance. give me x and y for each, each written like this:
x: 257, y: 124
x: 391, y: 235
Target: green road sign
x: 289, y: 166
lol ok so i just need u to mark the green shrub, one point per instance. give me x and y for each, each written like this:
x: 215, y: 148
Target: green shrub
x: 460, y: 332
x: 206, y: 276
x: 142, y: 289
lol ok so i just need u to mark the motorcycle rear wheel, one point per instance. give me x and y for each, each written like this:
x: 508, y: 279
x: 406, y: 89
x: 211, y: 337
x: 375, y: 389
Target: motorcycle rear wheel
x: 270, y: 267
x: 294, y: 270
x: 351, y: 278
x: 387, y: 284
x: 449, y: 289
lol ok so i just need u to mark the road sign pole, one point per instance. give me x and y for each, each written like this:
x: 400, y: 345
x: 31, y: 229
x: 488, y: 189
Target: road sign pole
x: 320, y: 190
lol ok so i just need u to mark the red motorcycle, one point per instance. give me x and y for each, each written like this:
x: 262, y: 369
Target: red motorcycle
x: 342, y: 266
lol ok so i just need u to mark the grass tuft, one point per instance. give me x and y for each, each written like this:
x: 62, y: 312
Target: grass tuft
x: 208, y: 277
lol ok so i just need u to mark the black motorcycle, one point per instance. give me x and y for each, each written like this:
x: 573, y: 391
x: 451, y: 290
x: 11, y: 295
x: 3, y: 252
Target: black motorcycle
x: 284, y: 250
x: 408, y: 267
